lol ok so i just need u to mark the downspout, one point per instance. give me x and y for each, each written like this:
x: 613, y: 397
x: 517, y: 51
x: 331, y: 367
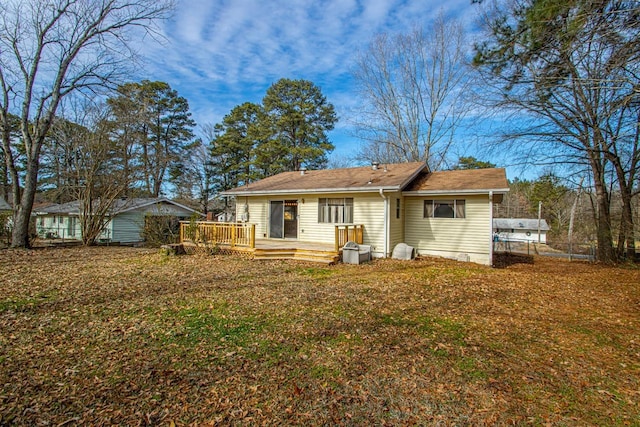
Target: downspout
x: 491, y: 228
x: 386, y: 223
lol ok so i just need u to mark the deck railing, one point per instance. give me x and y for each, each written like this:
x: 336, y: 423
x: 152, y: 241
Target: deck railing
x: 218, y: 233
x: 345, y: 233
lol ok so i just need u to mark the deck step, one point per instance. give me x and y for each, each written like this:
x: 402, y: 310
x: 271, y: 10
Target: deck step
x: 325, y: 257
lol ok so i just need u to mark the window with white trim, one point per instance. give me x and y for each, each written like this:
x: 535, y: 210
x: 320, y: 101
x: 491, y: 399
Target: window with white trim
x: 444, y: 208
x: 335, y: 210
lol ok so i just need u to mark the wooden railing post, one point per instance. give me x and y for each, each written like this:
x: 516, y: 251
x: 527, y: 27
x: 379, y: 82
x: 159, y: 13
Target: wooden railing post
x: 337, y: 239
x: 233, y: 235
x: 252, y: 239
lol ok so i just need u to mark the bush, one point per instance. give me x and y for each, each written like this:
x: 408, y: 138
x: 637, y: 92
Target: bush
x: 5, y: 228
x: 161, y: 230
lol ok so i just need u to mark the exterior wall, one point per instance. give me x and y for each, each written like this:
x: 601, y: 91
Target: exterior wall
x: 125, y: 228
x: 368, y: 210
x: 396, y: 220
x: 258, y: 208
x: 58, y: 227
x: 521, y: 236
x: 450, y: 237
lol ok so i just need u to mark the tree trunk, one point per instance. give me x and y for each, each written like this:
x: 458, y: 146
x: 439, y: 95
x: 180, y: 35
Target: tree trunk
x: 604, y: 236
x: 626, y: 239
x: 23, y: 207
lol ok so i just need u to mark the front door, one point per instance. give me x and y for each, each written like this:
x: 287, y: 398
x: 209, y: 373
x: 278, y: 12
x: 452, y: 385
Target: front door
x: 276, y: 223
x: 283, y: 222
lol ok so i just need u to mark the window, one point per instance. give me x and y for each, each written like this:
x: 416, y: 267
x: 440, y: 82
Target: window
x: 397, y: 208
x: 444, y: 209
x: 335, y: 210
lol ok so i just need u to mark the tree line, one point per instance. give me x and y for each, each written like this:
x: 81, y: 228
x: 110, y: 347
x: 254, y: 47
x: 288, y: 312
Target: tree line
x: 555, y: 83
x: 286, y: 132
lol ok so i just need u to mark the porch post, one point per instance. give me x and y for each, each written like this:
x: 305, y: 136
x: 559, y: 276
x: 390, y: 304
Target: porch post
x: 233, y: 234
x: 252, y: 237
x: 337, y: 245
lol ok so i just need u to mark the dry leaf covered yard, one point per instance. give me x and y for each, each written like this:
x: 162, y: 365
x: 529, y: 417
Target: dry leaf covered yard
x: 131, y: 337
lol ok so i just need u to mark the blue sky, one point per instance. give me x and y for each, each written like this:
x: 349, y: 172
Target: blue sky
x: 219, y: 54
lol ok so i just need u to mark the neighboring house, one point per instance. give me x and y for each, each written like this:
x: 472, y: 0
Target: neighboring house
x: 520, y: 229
x: 438, y: 213
x: 126, y: 219
x: 6, y: 221
x: 4, y: 207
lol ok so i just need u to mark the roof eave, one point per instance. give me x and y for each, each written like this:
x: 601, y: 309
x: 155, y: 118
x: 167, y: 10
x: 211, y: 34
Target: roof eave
x: 460, y: 192
x: 155, y: 202
x: 368, y: 189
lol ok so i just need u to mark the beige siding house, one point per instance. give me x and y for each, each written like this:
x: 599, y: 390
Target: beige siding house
x: 438, y: 213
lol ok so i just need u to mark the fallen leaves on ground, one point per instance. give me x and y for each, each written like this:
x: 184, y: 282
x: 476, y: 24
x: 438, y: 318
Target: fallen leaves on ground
x: 129, y: 336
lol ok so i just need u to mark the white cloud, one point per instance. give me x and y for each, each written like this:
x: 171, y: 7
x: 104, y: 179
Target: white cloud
x: 222, y: 53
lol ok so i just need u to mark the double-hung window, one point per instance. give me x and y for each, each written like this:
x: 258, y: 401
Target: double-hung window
x: 335, y: 210
x: 444, y: 208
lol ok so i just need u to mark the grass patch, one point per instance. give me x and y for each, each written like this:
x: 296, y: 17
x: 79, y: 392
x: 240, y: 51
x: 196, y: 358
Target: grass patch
x: 22, y: 304
x: 125, y: 336
x: 210, y: 325
x: 316, y: 273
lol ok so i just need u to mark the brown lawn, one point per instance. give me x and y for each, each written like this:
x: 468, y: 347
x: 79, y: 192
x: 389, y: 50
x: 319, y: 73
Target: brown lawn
x: 131, y: 337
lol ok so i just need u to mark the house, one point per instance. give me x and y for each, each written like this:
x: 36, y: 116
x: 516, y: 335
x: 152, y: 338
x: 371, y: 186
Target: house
x: 445, y: 213
x: 521, y: 230
x: 5, y: 208
x: 6, y: 221
x: 126, y: 219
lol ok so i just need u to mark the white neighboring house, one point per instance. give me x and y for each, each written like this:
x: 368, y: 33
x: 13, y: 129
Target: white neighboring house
x: 520, y: 229
x: 126, y: 219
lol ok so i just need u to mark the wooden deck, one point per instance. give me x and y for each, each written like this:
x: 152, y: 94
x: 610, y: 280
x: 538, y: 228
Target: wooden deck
x: 240, y: 238
x: 266, y: 249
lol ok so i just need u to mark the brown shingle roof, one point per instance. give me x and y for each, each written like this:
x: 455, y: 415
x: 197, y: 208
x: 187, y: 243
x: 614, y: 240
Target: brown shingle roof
x: 389, y: 177
x: 460, y: 181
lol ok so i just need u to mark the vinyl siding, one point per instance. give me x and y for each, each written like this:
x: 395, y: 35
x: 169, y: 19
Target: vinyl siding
x: 53, y: 225
x: 396, y: 225
x: 309, y: 229
x: 127, y: 227
x: 521, y: 236
x: 257, y: 213
x: 450, y: 237
x: 368, y: 209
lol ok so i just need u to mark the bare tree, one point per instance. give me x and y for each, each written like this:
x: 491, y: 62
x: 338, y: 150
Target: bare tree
x: 50, y: 49
x: 98, y: 167
x: 570, y: 72
x: 413, y: 88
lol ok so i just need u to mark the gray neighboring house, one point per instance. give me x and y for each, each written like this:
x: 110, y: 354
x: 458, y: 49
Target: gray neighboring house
x: 4, y: 207
x: 520, y: 229
x: 126, y: 219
